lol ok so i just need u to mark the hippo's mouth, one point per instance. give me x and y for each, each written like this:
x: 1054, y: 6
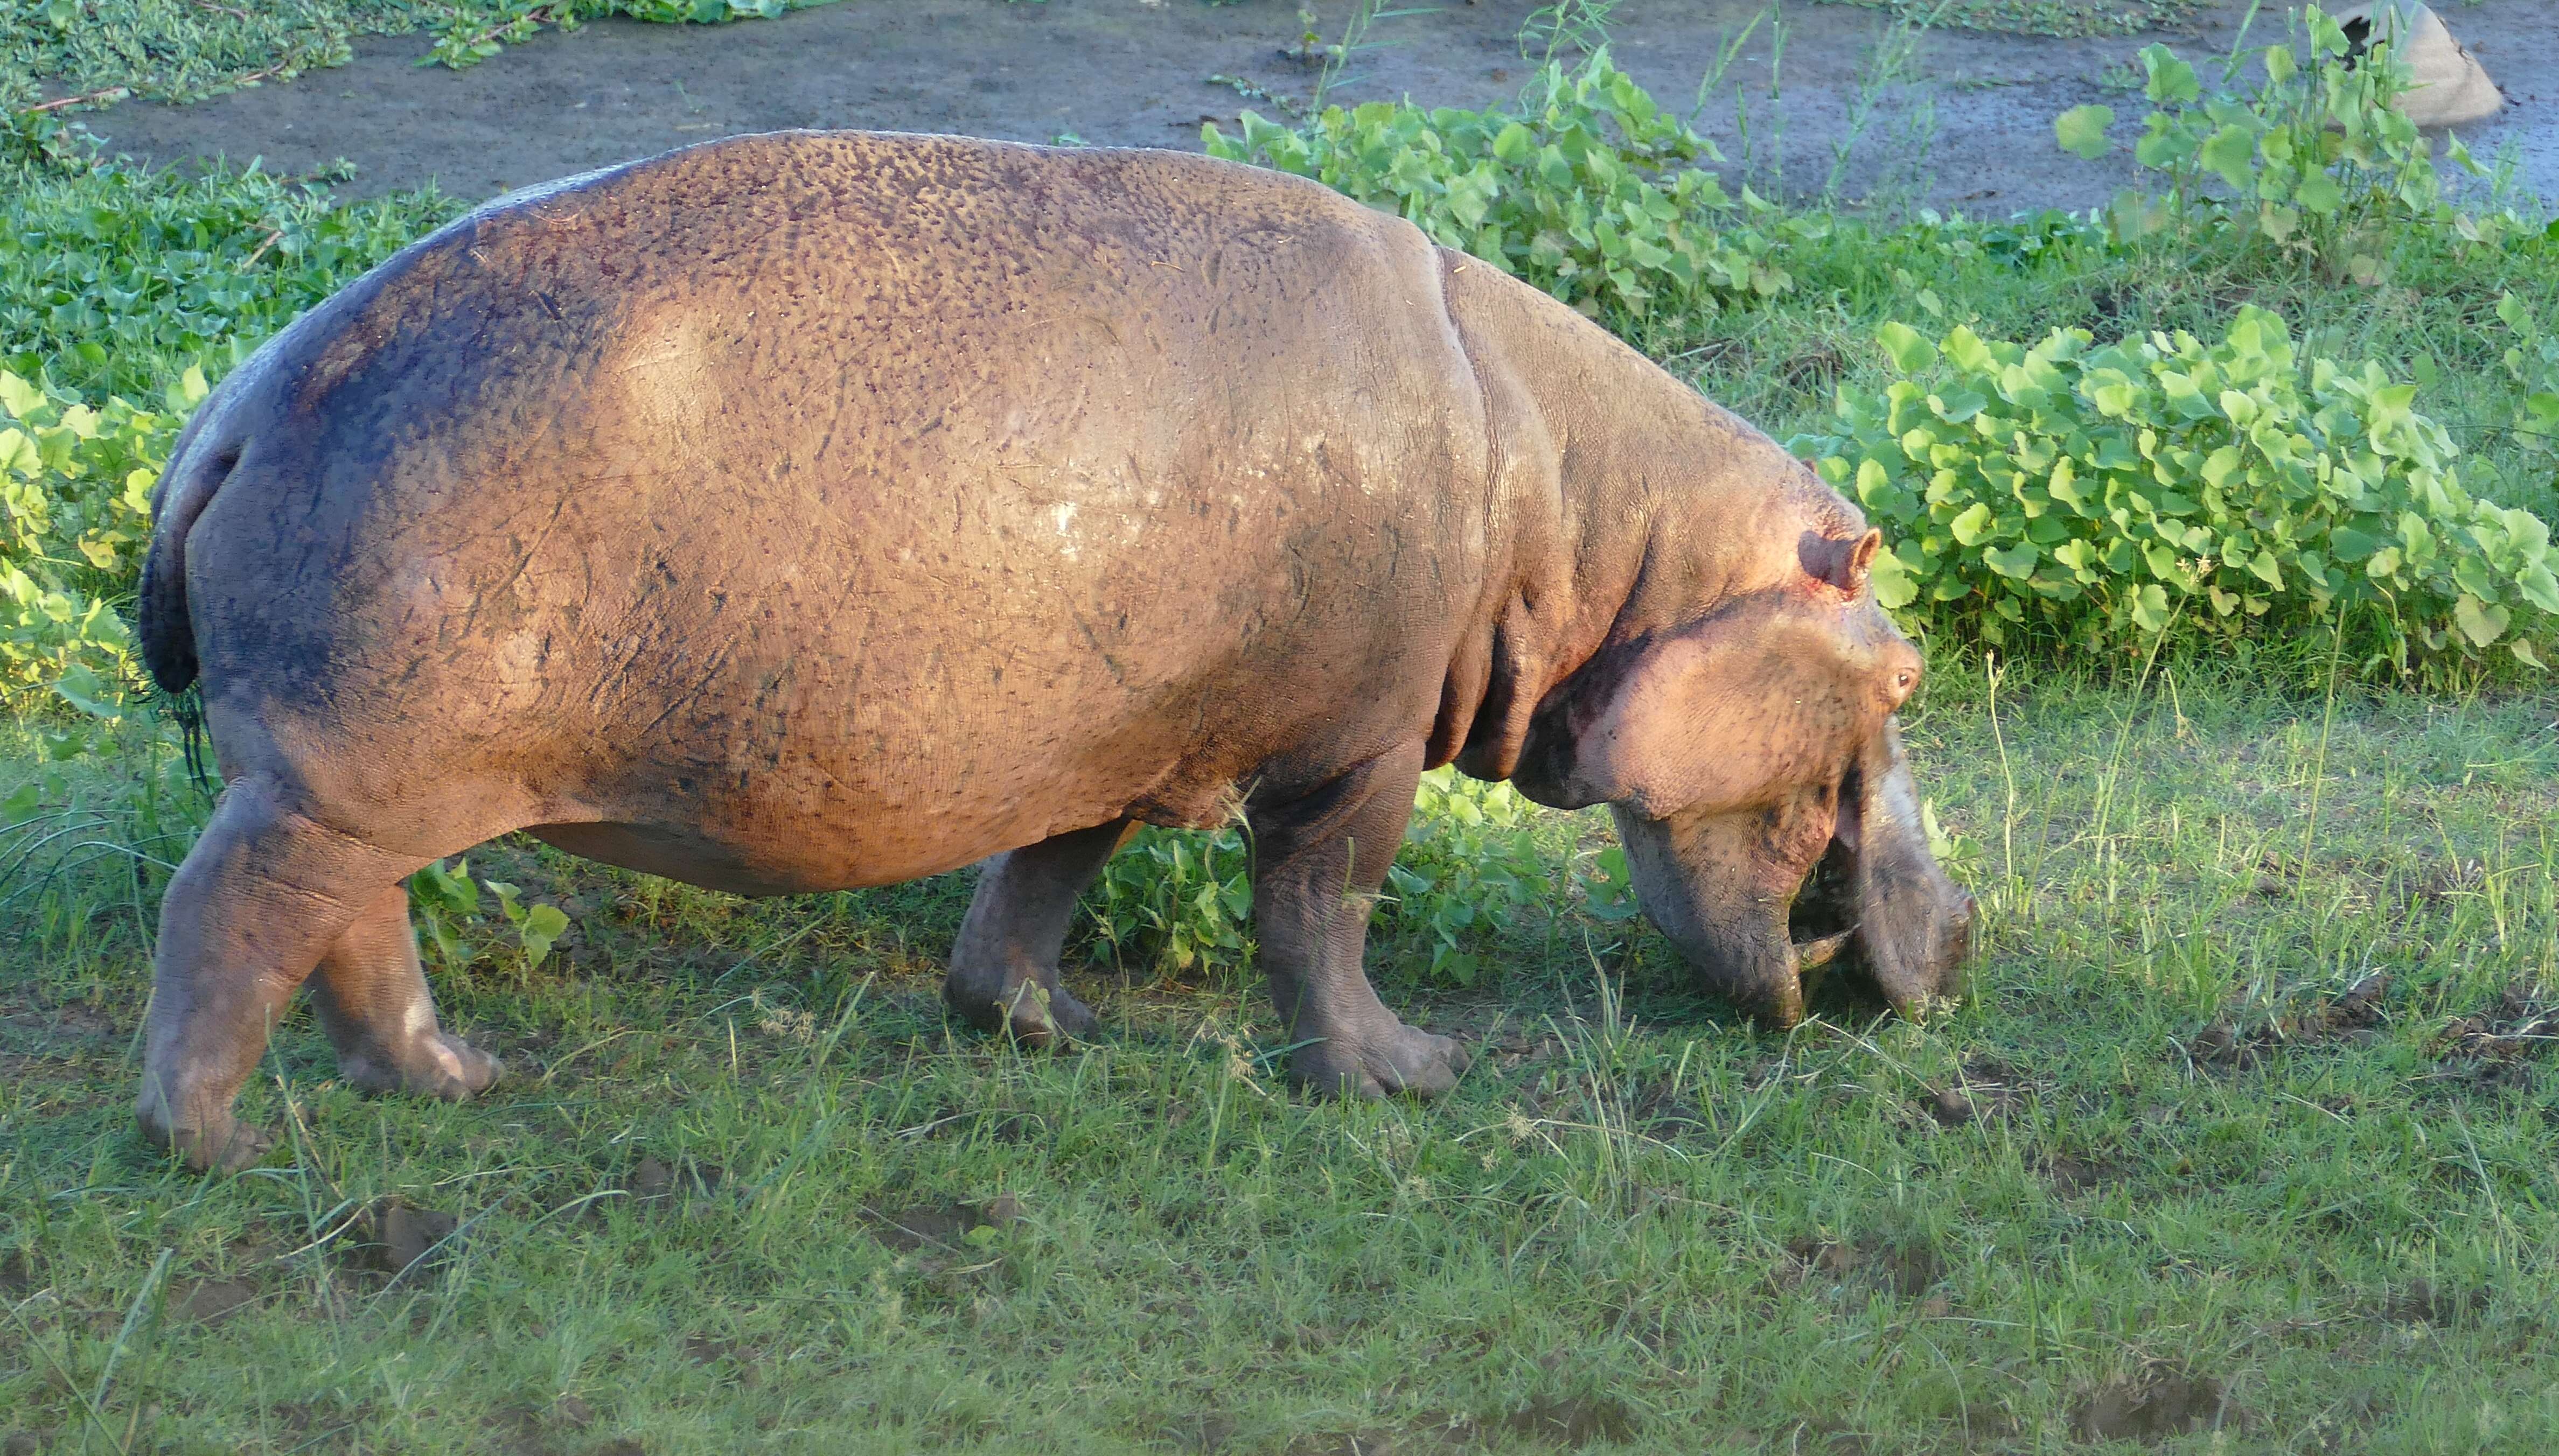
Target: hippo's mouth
x: 1823, y: 921
x: 1877, y: 902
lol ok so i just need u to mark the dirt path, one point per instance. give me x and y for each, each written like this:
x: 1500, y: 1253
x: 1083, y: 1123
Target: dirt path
x: 1965, y: 121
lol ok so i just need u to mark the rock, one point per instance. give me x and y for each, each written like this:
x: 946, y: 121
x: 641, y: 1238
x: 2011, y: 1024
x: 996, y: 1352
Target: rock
x: 2450, y: 87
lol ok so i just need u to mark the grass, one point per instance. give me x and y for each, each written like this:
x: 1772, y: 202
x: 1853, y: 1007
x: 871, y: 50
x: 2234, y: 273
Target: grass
x: 102, y: 50
x: 183, y: 50
x: 2244, y: 1139
x: 2179, y: 1155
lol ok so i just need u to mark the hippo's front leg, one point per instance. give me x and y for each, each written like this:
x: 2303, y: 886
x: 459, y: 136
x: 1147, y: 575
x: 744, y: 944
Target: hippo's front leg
x: 1317, y: 862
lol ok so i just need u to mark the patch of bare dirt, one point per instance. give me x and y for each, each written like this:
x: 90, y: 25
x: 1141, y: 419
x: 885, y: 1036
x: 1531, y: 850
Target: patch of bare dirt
x: 1968, y: 125
x: 2353, y: 1015
x: 656, y: 1184
x: 2495, y: 1052
x: 1575, y: 1422
x: 1657, y: 1109
x: 393, y: 1239
x: 1567, y: 1424
x: 2519, y: 1026
x: 942, y: 1224
x: 208, y: 1301
x: 1206, y: 1433
x: 1987, y: 1089
x: 2153, y: 1408
x: 2072, y: 1176
x: 559, y: 1432
x: 740, y: 1362
x: 1905, y: 1267
x: 524, y: 1431
x: 2424, y: 1302
x: 1517, y: 1048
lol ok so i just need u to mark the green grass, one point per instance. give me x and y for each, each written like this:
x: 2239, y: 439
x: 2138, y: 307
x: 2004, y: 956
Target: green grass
x: 2246, y: 1117
x: 2149, y: 1145
x: 102, y: 50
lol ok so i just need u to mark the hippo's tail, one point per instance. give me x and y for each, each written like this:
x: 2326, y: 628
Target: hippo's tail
x: 203, y: 459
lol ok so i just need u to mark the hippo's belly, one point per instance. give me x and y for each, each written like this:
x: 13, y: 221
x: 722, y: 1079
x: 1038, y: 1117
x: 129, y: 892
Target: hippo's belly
x: 697, y: 856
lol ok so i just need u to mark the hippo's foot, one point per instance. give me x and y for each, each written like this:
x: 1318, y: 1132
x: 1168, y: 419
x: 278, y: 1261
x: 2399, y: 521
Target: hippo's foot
x: 1401, y: 1057
x: 435, y: 1064
x: 1029, y: 1010
x: 217, y: 1142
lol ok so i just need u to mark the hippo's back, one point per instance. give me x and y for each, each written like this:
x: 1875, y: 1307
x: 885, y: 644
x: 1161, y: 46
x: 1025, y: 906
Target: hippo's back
x: 864, y: 476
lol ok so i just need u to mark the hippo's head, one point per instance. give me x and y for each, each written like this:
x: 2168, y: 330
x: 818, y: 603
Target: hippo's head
x: 1751, y: 761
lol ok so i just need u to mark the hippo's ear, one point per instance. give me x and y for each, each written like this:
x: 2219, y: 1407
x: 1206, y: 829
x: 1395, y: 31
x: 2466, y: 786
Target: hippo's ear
x: 1841, y: 562
x: 1660, y: 726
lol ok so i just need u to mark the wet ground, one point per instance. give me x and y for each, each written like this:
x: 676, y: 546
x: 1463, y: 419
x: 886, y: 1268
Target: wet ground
x: 1947, y: 118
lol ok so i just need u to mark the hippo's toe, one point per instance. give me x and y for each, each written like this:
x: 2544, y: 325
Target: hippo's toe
x: 436, y: 1064
x: 1403, y: 1059
x: 1042, y: 1016
x: 224, y: 1145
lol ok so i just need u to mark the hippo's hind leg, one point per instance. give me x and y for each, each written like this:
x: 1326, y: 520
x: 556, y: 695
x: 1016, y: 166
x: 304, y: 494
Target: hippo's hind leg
x: 264, y: 894
x: 1003, y: 968
x: 373, y: 1000
x: 1317, y: 862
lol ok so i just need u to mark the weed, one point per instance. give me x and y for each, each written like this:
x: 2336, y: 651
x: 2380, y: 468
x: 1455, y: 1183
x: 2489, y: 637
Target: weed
x: 102, y: 50
x: 2094, y: 494
x: 2319, y: 160
x: 1586, y: 192
x: 75, y: 519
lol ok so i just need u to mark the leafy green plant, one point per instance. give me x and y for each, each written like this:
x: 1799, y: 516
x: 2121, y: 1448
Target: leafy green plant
x: 2317, y: 159
x: 445, y: 905
x: 1586, y: 191
x: 1174, y: 899
x: 75, y: 519
x: 180, y: 50
x: 2104, y: 496
x: 1470, y: 871
x: 470, y: 33
x: 114, y: 279
x: 119, y: 285
x: 538, y: 927
x: 1468, y: 868
x: 2534, y: 364
x: 103, y: 50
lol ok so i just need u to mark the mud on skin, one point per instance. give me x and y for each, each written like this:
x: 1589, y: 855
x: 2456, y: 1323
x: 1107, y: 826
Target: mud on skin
x: 818, y: 511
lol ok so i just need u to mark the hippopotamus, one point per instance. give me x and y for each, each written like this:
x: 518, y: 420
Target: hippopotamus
x: 824, y: 510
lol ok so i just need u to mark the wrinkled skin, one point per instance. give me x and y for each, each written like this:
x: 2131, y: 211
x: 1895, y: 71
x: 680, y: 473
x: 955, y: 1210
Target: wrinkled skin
x: 818, y: 511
